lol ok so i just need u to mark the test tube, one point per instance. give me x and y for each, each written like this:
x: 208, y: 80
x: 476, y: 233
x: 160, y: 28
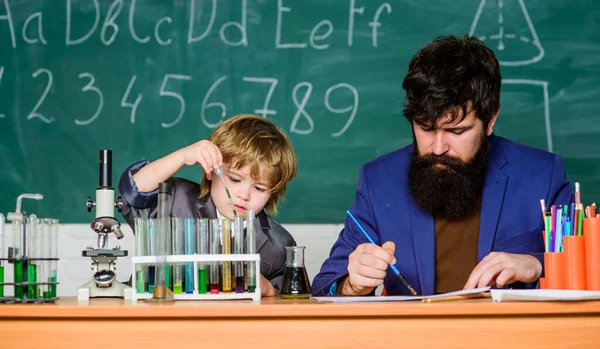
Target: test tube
x: 141, y: 234
x: 151, y: 251
x: 54, y: 255
x: 232, y: 250
x: 163, y: 241
x: 45, y: 225
x: 31, y: 254
x: 188, y: 247
x: 2, y: 255
x: 14, y: 250
x: 215, y: 243
x: 226, y: 249
x: 40, y: 255
x: 238, y: 230
x: 16, y: 254
x: 178, y: 249
x: 251, y: 249
x: 202, y: 229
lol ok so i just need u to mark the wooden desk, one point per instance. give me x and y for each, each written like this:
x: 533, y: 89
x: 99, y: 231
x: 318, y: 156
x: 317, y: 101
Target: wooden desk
x: 276, y: 323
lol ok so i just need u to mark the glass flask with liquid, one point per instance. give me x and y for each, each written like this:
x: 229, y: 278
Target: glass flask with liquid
x: 295, y: 283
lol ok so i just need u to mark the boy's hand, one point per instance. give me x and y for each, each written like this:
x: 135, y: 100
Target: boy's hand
x: 205, y: 153
x: 367, y: 267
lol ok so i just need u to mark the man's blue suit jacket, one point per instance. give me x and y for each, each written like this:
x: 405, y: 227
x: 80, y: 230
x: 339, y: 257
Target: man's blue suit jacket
x: 517, y: 178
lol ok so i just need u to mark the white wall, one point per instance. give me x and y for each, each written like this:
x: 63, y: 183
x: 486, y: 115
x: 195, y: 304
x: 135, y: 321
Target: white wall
x: 74, y: 270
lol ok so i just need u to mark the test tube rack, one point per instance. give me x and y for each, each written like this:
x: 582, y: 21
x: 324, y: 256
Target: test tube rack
x: 24, y: 256
x: 198, y: 258
x: 28, y: 291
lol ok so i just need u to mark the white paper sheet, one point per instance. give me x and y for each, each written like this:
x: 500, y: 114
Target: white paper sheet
x: 353, y: 299
x: 543, y: 295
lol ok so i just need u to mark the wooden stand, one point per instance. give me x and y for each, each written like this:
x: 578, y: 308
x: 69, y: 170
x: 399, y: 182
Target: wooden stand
x: 274, y: 322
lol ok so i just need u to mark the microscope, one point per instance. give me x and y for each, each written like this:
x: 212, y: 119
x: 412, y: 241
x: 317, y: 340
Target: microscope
x: 104, y: 266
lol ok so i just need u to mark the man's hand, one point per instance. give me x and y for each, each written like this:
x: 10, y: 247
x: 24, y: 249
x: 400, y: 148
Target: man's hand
x: 266, y: 288
x: 501, y: 268
x: 367, y: 267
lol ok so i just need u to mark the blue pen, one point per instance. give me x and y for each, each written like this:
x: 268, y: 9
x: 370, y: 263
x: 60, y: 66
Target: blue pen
x: 562, y: 234
x: 393, y: 267
x: 565, y: 220
x: 572, y: 213
x: 558, y: 230
x: 558, y: 241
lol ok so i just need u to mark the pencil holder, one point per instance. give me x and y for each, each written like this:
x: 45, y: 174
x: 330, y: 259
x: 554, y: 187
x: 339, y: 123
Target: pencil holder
x: 574, y: 247
x: 554, y: 270
x: 591, y: 232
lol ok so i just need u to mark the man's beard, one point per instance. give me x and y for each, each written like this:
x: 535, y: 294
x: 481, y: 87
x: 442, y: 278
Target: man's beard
x: 452, y: 191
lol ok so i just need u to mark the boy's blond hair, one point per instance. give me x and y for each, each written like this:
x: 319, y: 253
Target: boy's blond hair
x: 252, y: 140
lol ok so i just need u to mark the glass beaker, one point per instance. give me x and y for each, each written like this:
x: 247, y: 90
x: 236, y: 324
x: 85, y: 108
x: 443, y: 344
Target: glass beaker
x: 295, y: 283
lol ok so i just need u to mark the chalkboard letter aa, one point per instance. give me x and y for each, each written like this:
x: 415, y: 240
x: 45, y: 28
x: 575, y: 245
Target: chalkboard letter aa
x: 8, y: 17
x: 38, y: 16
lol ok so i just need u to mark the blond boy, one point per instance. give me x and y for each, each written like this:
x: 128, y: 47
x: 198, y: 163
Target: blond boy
x: 258, y: 162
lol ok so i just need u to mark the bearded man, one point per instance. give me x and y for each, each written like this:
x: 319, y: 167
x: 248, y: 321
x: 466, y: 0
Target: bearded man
x: 459, y: 208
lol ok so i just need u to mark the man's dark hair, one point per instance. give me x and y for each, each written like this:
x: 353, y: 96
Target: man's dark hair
x: 446, y: 75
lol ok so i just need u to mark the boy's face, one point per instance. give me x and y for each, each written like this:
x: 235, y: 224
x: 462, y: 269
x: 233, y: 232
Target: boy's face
x: 247, y: 193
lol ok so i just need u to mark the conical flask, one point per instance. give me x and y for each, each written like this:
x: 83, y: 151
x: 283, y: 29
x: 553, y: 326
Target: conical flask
x: 505, y: 27
x: 295, y: 279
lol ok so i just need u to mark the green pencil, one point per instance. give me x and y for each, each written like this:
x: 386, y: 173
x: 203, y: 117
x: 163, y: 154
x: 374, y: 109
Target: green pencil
x: 548, y: 233
x: 579, y: 221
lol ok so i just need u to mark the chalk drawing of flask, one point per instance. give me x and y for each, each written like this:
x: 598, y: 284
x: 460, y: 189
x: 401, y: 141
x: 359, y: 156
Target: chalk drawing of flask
x: 505, y: 26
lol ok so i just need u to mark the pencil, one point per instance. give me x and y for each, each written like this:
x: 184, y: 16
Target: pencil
x: 543, y: 205
x: 393, y: 267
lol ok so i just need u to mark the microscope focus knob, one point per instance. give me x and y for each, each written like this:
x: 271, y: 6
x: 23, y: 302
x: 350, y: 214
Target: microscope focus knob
x: 119, y: 203
x: 90, y: 204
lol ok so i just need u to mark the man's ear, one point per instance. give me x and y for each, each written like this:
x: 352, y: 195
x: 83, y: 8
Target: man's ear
x: 490, y: 127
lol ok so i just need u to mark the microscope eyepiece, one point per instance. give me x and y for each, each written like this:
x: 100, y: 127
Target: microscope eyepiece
x: 105, y: 169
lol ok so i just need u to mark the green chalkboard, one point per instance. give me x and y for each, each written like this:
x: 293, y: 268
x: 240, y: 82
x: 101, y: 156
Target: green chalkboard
x: 146, y: 77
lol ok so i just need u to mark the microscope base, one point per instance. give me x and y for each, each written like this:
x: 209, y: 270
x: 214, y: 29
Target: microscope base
x: 116, y: 289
